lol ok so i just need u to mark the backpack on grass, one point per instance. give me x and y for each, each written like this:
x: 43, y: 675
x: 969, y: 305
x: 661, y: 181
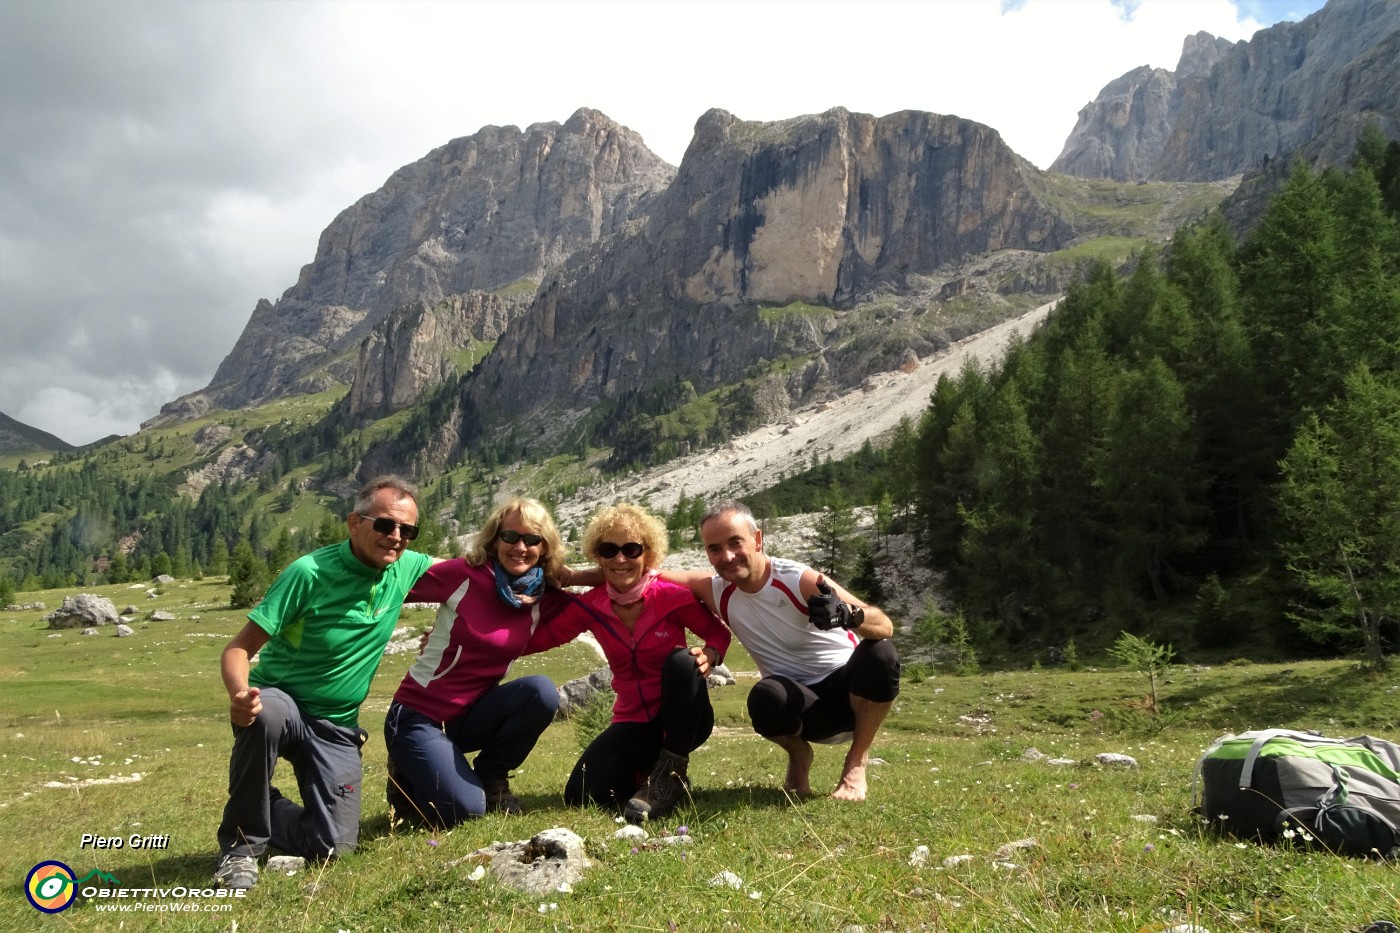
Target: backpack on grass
x: 1275, y: 784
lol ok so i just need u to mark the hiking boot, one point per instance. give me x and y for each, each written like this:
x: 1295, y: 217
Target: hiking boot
x: 239, y: 872
x: 498, y: 796
x: 663, y: 790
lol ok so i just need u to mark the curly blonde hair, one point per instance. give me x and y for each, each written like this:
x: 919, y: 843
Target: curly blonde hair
x: 633, y: 521
x: 481, y: 547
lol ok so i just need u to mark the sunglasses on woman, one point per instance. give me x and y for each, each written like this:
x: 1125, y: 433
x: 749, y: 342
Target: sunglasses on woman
x: 512, y: 537
x: 386, y: 526
x: 631, y: 550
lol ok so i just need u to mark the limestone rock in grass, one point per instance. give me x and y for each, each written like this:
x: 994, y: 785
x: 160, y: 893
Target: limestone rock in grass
x: 539, y: 865
x: 575, y: 695
x: 124, y: 630
x: 82, y: 610
x: 919, y: 856
x: 1011, y: 848
x: 1061, y: 762
x: 163, y: 579
x: 953, y: 861
x: 1033, y: 754
x: 161, y: 616
x: 1113, y: 759
x: 130, y: 611
x: 727, y: 879
x: 89, y: 631
x: 631, y: 832
x: 720, y: 676
x: 286, y: 864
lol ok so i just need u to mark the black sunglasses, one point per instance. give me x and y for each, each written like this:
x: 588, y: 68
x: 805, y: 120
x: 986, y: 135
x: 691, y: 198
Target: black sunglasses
x: 631, y: 550
x: 511, y: 537
x: 386, y: 526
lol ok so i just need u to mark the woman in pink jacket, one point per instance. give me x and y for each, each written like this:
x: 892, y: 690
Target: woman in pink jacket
x: 662, y: 712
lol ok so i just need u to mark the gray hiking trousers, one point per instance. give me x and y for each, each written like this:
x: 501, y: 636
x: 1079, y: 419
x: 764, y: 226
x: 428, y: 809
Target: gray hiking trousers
x: 324, y: 757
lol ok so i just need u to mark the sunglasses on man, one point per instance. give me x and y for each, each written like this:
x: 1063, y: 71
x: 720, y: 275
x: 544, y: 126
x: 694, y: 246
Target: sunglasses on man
x: 512, y: 537
x: 386, y: 526
x: 631, y: 550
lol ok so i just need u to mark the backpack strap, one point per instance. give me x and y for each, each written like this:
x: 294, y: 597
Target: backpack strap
x: 1264, y: 735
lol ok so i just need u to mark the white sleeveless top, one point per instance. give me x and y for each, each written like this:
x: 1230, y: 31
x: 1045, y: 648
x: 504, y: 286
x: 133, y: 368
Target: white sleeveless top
x: 772, y: 626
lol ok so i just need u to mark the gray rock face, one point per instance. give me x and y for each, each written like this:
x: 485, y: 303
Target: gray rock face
x: 84, y: 609
x: 818, y: 209
x: 420, y: 346
x: 1229, y: 108
x: 479, y: 214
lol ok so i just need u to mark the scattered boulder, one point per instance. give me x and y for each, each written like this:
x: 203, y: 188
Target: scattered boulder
x: 720, y: 676
x: 1116, y: 760
x: 1009, y: 850
x: 160, y: 615
x: 130, y: 611
x: 83, y: 610
x: 89, y: 631
x: 124, y: 630
x: 162, y: 579
x: 577, y: 693
x: 546, y: 863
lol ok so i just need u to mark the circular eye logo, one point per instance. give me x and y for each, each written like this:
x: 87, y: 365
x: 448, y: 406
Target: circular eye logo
x: 50, y: 887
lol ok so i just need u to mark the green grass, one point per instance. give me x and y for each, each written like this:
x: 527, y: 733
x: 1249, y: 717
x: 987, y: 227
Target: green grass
x: 152, y: 704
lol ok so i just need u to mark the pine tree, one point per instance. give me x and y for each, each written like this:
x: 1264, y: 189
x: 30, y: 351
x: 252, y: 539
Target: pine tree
x: 249, y: 576
x: 1340, y: 499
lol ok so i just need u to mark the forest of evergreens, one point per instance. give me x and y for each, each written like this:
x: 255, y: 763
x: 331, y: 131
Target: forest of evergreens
x: 1216, y: 434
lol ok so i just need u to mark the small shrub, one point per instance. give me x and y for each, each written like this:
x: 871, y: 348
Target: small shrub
x: 590, y: 719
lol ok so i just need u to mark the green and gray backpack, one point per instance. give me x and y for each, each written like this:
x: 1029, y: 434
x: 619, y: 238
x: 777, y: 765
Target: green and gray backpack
x: 1273, y: 784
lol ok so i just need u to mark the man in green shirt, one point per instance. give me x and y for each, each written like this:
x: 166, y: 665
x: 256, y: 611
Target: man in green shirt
x: 321, y: 630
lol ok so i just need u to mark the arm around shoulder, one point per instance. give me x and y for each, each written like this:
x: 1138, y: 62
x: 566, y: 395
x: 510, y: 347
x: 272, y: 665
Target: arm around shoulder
x: 697, y: 581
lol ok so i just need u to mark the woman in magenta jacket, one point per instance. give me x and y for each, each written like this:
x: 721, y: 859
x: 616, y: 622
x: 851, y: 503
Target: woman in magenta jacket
x: 662, y: 712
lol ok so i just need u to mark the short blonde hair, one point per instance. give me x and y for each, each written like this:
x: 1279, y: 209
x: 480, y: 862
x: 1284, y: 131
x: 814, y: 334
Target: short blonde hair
x: 481, y: 548
x: 636, y: 523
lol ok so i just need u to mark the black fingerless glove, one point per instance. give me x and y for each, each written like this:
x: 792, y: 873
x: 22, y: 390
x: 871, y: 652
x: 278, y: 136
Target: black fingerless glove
x: 826, y: 611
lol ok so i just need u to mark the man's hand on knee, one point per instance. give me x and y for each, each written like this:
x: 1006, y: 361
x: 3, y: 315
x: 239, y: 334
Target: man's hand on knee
x: 244, y: 706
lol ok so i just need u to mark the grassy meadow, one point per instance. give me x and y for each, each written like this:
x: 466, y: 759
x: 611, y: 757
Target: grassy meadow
x: 1114, y: 849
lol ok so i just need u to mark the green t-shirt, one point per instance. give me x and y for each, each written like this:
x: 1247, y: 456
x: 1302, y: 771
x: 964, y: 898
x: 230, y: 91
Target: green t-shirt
x: 329, y: 617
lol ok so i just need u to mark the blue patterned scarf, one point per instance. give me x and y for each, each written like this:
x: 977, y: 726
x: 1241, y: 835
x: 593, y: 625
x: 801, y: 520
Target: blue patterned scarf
x: 510, y: 589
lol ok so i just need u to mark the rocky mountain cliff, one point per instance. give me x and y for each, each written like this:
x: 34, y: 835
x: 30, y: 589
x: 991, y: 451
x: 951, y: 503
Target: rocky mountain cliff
x: 1227, y: 109
x: 487, y: 212
x: 820, y: 210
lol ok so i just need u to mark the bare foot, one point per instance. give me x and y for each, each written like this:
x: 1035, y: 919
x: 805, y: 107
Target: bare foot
x: 852, y: 784
x: 799, y: 770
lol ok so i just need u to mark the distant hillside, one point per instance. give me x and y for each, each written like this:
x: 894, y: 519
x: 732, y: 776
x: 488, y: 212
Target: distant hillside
x: 19, y: 439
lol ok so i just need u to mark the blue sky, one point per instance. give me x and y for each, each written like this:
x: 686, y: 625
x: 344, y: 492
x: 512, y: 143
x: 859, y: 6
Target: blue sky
x: 169, y: 164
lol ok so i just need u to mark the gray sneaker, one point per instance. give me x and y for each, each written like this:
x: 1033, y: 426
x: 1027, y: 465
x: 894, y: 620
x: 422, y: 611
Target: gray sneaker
x: 239, y: 872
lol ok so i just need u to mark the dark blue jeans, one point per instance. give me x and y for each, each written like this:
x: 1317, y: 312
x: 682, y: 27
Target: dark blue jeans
x: 430, y: 757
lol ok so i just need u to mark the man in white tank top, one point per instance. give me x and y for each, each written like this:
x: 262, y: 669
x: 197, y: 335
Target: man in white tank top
x: 829, y: 672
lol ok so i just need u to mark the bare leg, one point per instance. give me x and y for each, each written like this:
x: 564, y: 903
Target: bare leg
x: 799, y: 771
x: 869, y: 716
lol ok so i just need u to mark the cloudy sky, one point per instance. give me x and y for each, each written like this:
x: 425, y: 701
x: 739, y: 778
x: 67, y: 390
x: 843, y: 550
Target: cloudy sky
x: 163, y: 165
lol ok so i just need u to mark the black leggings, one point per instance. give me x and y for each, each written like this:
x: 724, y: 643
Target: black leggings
x: 615, y: 765
x: 780, y: 706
